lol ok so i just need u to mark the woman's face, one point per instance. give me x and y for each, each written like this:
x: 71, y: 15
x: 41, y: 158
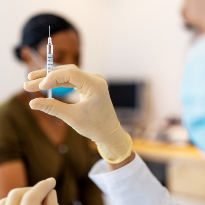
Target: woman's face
x: 66, y: 48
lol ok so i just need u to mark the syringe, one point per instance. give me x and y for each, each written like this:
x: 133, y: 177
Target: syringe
x: 49, y: 60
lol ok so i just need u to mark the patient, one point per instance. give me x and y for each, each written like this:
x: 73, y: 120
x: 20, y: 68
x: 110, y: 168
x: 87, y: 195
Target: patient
x: 34, y: 145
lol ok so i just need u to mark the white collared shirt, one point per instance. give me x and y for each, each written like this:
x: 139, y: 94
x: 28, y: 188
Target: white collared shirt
x: 132, y: 184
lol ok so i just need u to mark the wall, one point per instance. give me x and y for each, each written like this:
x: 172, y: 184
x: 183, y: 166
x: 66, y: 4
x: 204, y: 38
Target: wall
x: 142, y: 39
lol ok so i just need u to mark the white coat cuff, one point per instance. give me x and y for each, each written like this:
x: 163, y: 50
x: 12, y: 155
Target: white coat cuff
x: 130, y: 184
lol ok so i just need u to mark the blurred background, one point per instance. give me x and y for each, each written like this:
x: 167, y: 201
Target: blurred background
x: 141, y: 39
x: 140, y: 48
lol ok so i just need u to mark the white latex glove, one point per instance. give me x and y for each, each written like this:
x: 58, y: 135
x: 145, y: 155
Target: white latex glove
x: 41, y: 194
x: 93, y: 117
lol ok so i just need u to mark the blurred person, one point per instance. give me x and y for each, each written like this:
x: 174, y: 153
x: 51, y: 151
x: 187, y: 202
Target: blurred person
x: 193, y: 14
x: 193, y: 83
x: 33, y: 145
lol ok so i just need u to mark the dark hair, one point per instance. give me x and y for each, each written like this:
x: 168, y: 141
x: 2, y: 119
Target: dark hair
x: 36, y: 30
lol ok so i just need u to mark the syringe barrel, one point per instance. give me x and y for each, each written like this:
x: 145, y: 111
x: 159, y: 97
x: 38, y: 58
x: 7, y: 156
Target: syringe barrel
x: 49, y: 58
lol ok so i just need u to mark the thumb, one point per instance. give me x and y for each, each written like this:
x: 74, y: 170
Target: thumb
x: 53, y: 107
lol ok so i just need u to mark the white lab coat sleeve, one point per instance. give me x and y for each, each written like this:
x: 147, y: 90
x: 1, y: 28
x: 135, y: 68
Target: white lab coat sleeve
x: 132, y: 184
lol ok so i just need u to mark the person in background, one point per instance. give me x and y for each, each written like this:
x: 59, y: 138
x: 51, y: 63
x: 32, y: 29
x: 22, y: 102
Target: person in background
x: 193, y: 83
x: 193, y: 15
x: 33, y: 145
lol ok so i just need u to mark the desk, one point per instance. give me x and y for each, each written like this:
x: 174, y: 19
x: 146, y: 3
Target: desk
x: 185, y: 165
x: 164, y: 152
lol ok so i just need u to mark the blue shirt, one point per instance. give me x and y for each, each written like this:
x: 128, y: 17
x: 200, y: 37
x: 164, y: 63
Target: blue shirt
x: 193, y: 93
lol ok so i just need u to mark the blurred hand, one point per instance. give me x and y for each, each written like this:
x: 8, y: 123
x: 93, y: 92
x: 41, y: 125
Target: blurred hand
x: 41, y: 194
x: 93, y: 117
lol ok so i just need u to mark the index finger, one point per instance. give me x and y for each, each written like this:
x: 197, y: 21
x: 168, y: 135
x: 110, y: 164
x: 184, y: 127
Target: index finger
x: 41, y: 73
x: 38, y: 193
x: 68, y: 74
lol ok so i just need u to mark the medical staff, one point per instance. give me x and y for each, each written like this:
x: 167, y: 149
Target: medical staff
x: 193, y: 84
x: 121, y: 174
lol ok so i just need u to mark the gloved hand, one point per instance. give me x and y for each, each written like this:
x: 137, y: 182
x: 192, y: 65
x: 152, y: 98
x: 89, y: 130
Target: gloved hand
x: 93, y: 117
x: 41, y: 194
